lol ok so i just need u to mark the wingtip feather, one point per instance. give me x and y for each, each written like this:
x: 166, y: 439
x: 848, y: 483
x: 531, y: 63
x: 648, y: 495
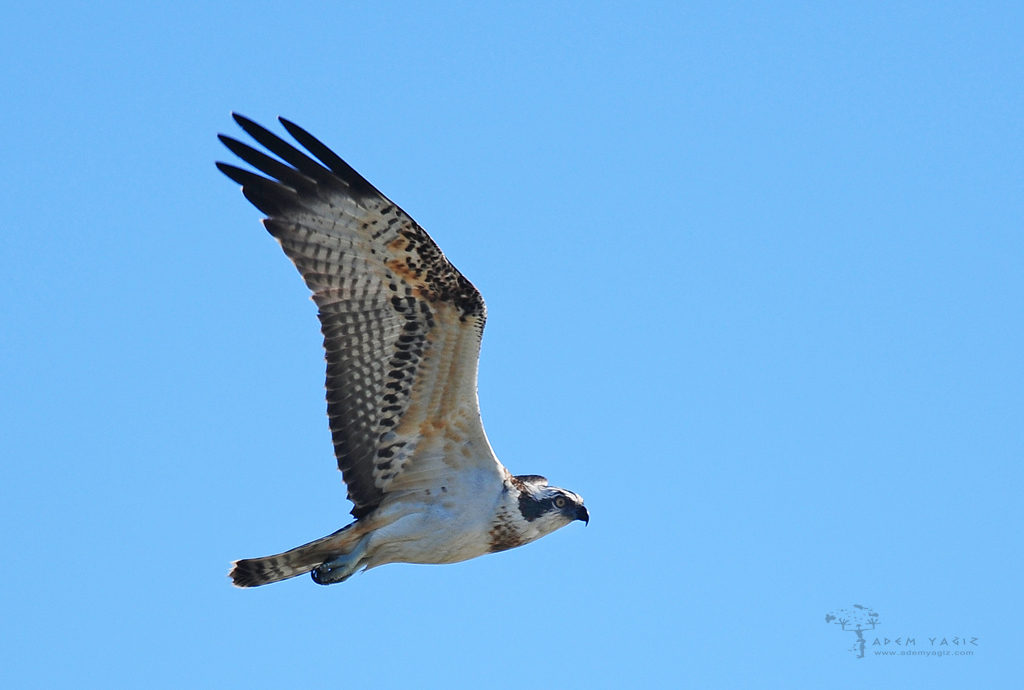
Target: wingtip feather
x: 335, y: 163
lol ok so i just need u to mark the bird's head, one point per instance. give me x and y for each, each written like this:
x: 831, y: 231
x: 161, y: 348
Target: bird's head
x: 548, y: 508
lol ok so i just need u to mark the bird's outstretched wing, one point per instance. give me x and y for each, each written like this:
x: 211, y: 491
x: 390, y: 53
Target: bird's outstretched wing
x: 401, y: 325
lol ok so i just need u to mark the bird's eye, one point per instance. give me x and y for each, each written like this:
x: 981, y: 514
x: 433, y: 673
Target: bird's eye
x: 559, y: 502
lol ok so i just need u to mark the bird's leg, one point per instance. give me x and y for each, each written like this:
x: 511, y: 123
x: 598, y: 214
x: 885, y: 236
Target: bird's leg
x: 341, y: 568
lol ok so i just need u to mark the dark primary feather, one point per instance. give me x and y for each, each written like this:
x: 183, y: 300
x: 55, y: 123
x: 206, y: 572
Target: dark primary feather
x: 272, y: 166
x: 358, y: 184
x: 380, y: 284
x: 266, y: 195
x: 283, y: 149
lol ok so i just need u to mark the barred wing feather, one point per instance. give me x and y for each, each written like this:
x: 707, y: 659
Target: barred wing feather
x: 401, y: 325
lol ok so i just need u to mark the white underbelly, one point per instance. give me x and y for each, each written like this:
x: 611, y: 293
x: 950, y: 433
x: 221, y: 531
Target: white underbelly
x: 432, y: 534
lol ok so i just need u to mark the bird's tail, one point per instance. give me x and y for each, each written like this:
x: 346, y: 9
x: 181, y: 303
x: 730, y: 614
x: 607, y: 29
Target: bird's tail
x: 253, y: 572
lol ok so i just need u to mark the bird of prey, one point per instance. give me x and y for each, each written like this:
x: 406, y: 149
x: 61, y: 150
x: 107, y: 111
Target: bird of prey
x: 402, y: 331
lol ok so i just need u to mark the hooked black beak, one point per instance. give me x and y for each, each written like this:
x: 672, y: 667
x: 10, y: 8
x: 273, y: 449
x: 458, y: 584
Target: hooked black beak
x: 582, y: 514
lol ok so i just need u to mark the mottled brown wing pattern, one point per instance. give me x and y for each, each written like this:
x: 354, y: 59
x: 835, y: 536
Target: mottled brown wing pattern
x: 401, y: 325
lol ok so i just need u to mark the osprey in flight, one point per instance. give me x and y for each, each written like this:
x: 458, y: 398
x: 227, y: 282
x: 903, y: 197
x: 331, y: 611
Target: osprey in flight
x: 402, y: 331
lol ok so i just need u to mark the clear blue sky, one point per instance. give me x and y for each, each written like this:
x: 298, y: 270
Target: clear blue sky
x: 755, y: 287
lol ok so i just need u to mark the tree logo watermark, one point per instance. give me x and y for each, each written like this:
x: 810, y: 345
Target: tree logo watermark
x: 858, y: 620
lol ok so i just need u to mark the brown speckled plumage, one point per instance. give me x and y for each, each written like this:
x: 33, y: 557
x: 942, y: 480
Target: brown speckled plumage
x: 504, y: 534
